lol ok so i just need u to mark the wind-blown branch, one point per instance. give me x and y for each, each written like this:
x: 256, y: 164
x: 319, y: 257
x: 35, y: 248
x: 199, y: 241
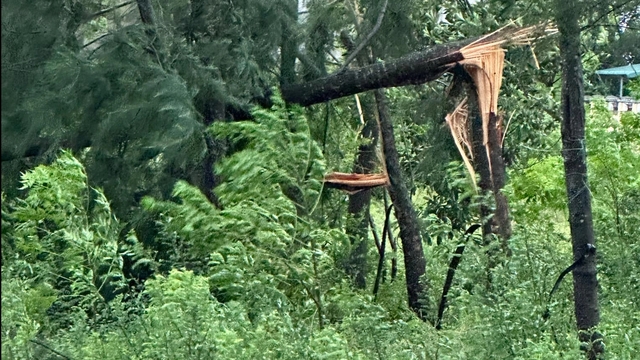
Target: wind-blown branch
x: 366, y: 40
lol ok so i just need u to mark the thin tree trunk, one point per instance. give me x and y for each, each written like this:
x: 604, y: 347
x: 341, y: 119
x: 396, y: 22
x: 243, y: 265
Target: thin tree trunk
x: 453, y: 266
x: 358, y: 225
x: 501, y: 218
x: 480, y: 159
x: 360, y: 202
x: 585, y: 282
x: 381, y: 253
x: 394, y: 245
x: 148, y: 17
x: 289, y: 43
x: 414, y: 261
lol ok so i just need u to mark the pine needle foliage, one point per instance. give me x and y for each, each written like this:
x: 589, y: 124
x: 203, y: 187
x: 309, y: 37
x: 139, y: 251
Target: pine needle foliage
x: 131, y: 112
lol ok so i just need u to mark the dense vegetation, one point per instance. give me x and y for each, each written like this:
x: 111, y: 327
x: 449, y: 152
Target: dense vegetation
x: 159, y: 203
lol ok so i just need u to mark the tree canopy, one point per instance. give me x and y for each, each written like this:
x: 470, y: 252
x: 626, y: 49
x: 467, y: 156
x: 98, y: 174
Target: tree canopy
x: 165, y: 189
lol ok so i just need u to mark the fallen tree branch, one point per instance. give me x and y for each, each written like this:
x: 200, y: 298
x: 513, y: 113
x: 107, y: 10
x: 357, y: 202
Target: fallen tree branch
x: 418, y: 67
x: 412, y: 69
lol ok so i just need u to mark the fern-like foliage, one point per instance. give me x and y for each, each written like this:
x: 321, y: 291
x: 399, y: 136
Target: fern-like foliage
x: 65, y: 239
x: 264, y: 246
x: 277, y: 151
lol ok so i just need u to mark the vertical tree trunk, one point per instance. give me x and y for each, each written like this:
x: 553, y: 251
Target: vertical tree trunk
x: 147, y: 15
x: 414, y: 261
x: 359, y: 203
x: 358, y: 224
x: 585, y: 282
x: 501, y: 218
x: 489, y: 165
x: 480, y: 159
x: 481, y: 163
x: 289, y: 43
x: 203, y: 175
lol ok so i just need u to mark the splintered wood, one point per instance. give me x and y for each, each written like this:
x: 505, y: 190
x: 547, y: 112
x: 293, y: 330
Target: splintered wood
x: 457, y: 122
x: 485, y: 68
x: 353, y: 183
x: 484, y: 61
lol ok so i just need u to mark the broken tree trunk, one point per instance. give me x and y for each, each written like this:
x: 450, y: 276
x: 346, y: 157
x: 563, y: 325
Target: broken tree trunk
x: 477, y: 117
x: 501, y: 219
x: 479, y: 131
x: 415, y: 68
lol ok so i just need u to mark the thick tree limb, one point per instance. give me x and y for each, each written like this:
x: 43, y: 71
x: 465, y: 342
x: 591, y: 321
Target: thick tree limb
x: 415, y: 68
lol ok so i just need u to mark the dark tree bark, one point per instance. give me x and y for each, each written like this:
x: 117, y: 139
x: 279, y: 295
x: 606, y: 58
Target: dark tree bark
x: 289, y: 43
x: 480, y: 158
x: 381, y: 252
x: 148, y: 17
x: 501, y: 217
x: 414, y: 261
x: 358, y: 224
x: 481, y: 165
x: 415, y: 68
x: 203, y: 176
x: 394, y: 245
x: 489, y: 165
x: 412, y: 69
x: 585, y: 282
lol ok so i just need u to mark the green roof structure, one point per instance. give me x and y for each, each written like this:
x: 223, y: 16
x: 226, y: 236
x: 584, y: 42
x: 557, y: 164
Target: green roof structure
x: 630, y: 71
